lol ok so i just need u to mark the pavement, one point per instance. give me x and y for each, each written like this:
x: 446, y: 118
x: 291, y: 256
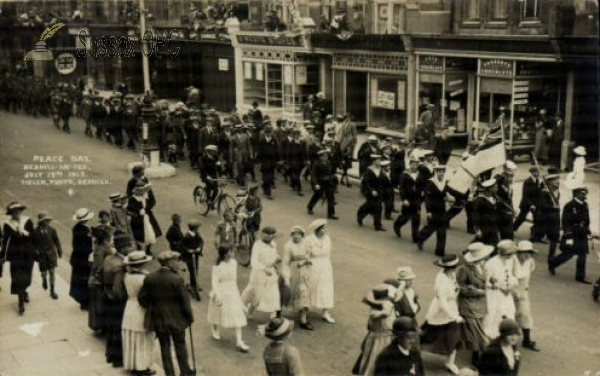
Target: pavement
x: 566, y: 318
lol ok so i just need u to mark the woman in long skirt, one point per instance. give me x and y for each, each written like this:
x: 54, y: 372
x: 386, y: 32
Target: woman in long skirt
x: 144, y: 225
x: 295, y: 269
x: 321, y: 276
x: 102, y: 249
x: 472, y: 302
x: 80, y: 264
x: 19, y: 250
x: 225, y: 308
x: 381, y: 321
x: 441, y: 331
x: 138, y: 343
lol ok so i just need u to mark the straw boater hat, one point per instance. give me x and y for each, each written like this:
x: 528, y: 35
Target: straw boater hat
x: 278, y: 329
x: 506, y: 247
x: 405, y: 273
x: 448, y: 261
x: 378, y: 296
x: 478, y: 251
x: 526, y: 246
x: 117, y: 196
x: 83, y: 214
x: 210, y: 147
x: 510, y: 167
x: 14, y: 206
x: 137, y: 258
x: 580, y: 150
x: 44, y: 216
x: 385, y: 163
x: 167, y: 255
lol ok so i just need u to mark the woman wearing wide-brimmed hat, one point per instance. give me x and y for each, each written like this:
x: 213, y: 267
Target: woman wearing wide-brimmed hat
x: 501, y: 281
x: 144, y: 225
x: 281, y: 358
x: 441, y: 331
x: 525, y: 254
x: 80, y: 265
x: 381, y: 321
x: 472, y: 302
x: 19, y: 250
x: 295, y: 269
x: 321, y: 276
x: 138, y: 343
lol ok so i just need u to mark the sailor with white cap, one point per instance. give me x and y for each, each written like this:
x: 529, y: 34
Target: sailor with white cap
x: 576, y: 230
x: 435, y: 204
x: 485, y: 213
x: 371, y: 188
x: 368, y: 148
x: 506, y: 212
x: 411, y: 200
x: 548, y: 211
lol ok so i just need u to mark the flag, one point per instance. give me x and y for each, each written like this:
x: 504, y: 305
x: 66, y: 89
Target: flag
x: 489, y: 154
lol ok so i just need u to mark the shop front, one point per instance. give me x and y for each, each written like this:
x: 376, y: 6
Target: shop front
x: 277, y: 72
x: 524, y: 89
x: 445, y: 85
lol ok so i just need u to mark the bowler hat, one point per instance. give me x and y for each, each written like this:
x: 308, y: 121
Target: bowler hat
x: 403, y: 325
x: 117, y: 196
x: 509, y: 327
x: 44, y: 216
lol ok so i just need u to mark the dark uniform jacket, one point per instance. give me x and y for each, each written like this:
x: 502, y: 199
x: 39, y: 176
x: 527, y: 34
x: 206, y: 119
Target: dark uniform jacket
x: 408, y: 189
x: 485, y: 217
x: 435, y: 197
x: 208, y: 168
x: 295, y: 154
x: 371, y: 182
x: 531, y: 192
x: 322, y: 174
x: 167, y: 302
x: 576, y: 220
x: 386, y: 184
x: 392, y: 362
x: 268, y: 153
x: 208, y: 137
x: 425, y: 173
x: 505, y: 206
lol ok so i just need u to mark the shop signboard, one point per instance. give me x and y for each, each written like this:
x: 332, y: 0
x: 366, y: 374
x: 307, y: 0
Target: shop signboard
x: 455, y: 64
x: 271, y: 40
x: 385, y: 99
x: 456, y: 92
x: 287, y: 75
x: 247, y: 70
x: 223, y: 65
x: 496, y: 67
x: 521, y: 95
x: 431, y: 63
x: 521, y: 101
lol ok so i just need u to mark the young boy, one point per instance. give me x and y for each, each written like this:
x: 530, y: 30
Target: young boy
x: 174, y: 234
x: 118, y: 214
x: 49, y: 250
x: 191, y: 250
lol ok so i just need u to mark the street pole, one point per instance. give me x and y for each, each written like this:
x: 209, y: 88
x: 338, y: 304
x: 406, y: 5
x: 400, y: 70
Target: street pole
x: 145, y: 51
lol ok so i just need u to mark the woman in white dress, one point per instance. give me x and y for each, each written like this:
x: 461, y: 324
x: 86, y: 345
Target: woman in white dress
x: 262, y: 292
x: 501, y: 273
x: 295, y: 270
x: 441, y: 331
x: 321, y: 276
x: 577, y: 176
x: 225, y: 308
x: 138, y: 343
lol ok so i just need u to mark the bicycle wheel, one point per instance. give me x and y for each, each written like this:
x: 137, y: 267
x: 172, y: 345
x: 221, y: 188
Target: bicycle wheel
x: 226, y: 202
x: 200, y: 199
x: 244, y: 249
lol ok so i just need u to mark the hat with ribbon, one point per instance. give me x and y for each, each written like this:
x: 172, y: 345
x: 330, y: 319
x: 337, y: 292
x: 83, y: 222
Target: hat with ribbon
x: 405, y: 273
x: 83, y: 214
x: 506, y: 247
x: 13, y: 207
x: 377, y: 296
x: 448, y: 261
x: 167, y: 256
x: 478, y: 251
x: 137, y: 258
x: 526, y: 246
x: 580, y: 150
x: 117, y: 196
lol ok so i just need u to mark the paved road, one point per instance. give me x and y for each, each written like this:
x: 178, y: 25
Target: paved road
x: 566, y: 318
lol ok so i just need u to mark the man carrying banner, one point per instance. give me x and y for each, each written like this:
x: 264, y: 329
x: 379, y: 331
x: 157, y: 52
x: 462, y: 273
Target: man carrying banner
x: 435, y: 204
x: 485, y: 213
x: 506, y: 213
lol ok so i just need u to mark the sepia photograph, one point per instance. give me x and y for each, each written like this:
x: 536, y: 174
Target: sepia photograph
x: 299, y: 187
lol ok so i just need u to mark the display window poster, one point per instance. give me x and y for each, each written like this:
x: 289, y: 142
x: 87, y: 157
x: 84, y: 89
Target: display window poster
x: 259, y: 72
x: 248, y: 71
x: 287, y: 75
x: 386, y: 99
x: 301, y: 75
x: 374, y: 90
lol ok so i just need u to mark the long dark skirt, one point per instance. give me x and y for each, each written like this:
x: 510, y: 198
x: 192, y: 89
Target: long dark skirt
x: 79, y: 290
x: 113, y: 317
x: 20, y: 275
x: 473, y: 335
x: 440, y: 339
x: 96, y: 308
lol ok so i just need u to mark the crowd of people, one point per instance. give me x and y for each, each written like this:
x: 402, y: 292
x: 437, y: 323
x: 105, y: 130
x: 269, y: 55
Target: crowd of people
x: 481, y: 297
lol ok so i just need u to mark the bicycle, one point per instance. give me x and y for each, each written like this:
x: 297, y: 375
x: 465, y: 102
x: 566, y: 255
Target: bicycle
x: 245, y: 241
x: 221, y: 202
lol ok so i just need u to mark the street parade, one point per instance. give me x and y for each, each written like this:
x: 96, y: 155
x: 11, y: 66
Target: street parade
x: 168, y: 236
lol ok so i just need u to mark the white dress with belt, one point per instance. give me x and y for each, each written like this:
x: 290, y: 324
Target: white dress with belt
x: 321, y: 276
x: 500, y: 303
x: 138, y: 343
x: 225, y: 307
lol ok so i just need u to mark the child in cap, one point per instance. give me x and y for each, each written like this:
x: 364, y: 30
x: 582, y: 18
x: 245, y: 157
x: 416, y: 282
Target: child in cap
x: 49, y: 250
x: 191, y: 250
x: 174, y: 234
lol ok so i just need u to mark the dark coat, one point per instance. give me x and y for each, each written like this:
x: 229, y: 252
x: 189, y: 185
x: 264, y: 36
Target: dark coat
x: 442, y: 149
x: 576, y: 220
x: 494, y: 363
x: 472, y: 301
x: 48, y: 247
x: 408, y: 189
x: 391, y: 362
x: 19, y: 250
x: 423, y: 177
x: 531, y: 192
x: 295, y: 154
x: 134, y: 206
x: 435, y: 199
x: 206, y: 137
x: 386, y: 185
x: 371, y: 182
x: 81, y: 267
x: 167, y: 302
x: 111, y: 276
x: 322, y: 174
x: 174, y: 237
x: 485, y: 219
x: 268, y: 153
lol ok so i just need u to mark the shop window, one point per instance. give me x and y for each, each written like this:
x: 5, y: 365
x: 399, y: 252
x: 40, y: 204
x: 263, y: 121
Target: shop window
x: 530, y: 9
x: 499, y: 10
x: 471, y: 10
x: 387, y: 103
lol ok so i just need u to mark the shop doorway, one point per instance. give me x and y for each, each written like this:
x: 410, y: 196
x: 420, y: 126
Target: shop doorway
x: 356, y: 97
